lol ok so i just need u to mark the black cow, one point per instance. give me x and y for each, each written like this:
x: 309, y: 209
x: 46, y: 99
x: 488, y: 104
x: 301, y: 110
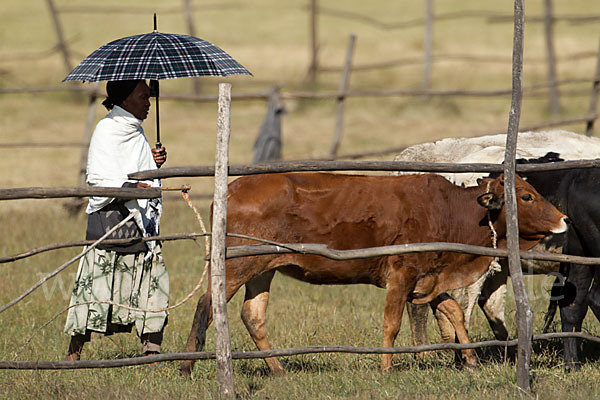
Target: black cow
x: 575, y: 192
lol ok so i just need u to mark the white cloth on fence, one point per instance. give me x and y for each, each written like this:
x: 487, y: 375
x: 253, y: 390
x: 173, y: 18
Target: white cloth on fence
x: 118, y: 148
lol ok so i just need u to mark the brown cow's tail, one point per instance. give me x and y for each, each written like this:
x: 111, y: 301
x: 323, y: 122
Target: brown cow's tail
x: 203, y: 321
x: 197, y: 338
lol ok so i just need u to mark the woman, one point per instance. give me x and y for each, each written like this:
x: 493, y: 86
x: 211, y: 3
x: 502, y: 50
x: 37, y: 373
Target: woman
x: 133, y: 275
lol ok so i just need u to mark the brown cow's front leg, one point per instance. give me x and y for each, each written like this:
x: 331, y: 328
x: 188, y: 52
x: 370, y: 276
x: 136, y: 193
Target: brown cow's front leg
x: 395, y: 300
x: 450, y: 308
x: 254, y: 313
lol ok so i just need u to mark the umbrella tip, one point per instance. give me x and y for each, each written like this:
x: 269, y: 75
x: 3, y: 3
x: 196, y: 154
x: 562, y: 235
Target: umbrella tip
x: 155, y: 29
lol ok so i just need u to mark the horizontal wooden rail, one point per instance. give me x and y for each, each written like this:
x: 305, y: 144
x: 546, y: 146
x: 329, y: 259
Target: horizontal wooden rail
x: 80, y: 243
x: 264, y: 95
x: 78, y: 191
x: 492, y: 17
x: 41, y: 144
x: 382, y: 251
x: 306, y: 166
x: 573, y: 18
x: 441, y: 57
x: 246, y: 355
x: 147, y: 10
x: 320, y: 249
x: 533, y: 127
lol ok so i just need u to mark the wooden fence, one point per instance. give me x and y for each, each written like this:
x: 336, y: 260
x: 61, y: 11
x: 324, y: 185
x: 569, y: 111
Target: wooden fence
x: 246, y: 355
x: 218, y: 252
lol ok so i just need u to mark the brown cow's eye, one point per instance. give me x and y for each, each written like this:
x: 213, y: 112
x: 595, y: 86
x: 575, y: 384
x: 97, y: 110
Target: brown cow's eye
x: 527, y: 197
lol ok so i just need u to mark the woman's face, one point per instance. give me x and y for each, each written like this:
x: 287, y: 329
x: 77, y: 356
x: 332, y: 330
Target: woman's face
x: 138, y: 101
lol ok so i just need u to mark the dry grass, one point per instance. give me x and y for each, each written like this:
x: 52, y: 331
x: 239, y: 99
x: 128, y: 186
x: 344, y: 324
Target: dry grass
x: 271, y: 39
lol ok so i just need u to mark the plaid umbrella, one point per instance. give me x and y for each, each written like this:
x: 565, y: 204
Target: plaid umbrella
x: 155, y: 56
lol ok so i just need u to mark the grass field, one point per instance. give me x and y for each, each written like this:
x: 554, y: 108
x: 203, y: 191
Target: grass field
x: 272, y: 40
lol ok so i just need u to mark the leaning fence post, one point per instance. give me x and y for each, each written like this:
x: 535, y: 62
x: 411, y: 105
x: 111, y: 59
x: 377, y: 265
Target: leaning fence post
x: 553, y: 89
x: 189, y: 19
x: 217, y: 254
x: 524, y: 314
x: 62, y: 44
x: 339, y: 118
x: 89, y: 126
x: 589, y: 129
x: 314, y: 42
x: 427, y: 64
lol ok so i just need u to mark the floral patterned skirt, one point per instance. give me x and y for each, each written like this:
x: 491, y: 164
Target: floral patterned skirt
x: 135, y: 280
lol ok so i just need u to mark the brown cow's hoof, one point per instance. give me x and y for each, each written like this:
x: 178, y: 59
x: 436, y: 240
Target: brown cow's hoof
x: 278, y: 373
x: 470, y: 360
x: 72, y: 357
x: 387, y: 369
x: 572, y: 366
x: 471, y: 367
x: 185, y: 368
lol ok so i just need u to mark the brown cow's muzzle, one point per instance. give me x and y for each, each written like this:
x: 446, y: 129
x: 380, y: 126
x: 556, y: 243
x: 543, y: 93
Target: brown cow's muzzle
x: 563, y: 225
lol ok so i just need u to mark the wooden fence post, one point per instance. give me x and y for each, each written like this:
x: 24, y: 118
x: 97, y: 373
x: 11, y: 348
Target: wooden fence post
x: 89, y: 127
x: 589, y: 129
x: 428, y: 44
x: 217, y: 253
x: 524, y: 314
x: 339, y: 119
x: 553, y: 89
x: 189, y: 19
x: 62, y: 44
x: 314, y: 63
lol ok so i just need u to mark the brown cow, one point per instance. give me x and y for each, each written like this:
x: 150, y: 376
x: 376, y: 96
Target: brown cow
x: 351, y: 212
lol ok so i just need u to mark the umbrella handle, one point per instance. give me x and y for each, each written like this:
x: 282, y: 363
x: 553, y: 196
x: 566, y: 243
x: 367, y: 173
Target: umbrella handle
x: 155, y: 91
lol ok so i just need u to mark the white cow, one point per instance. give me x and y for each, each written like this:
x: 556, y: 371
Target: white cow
x: 491, y: 149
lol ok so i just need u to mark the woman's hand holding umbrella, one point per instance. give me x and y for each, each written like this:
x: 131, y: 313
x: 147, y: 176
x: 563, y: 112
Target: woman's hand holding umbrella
x: 160, y: 156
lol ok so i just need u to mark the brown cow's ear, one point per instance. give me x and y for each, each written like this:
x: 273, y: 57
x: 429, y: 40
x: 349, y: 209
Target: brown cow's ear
x: 501, y: 179
x: 490, y: 201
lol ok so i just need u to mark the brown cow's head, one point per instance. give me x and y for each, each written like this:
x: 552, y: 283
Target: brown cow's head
x: 537, y: 217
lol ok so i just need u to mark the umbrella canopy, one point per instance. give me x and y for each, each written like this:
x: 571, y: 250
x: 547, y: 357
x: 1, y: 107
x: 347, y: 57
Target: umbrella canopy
x: 155, y: 56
